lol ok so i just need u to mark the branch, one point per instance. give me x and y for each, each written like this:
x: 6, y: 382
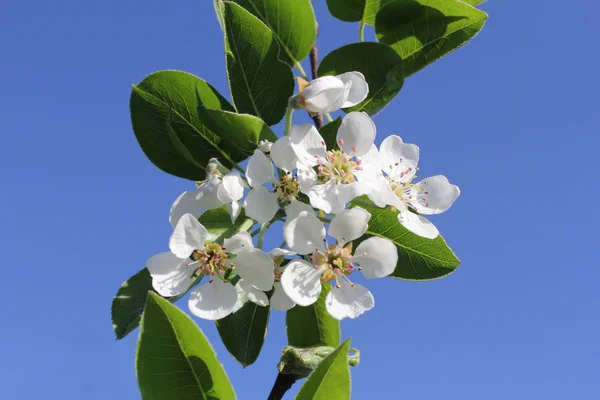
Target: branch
x: 282, y: 384
x: 314, y: 64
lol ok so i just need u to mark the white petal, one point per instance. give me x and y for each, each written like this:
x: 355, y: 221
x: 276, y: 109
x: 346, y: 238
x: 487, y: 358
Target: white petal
x: 254, y: 295
x: 188, y: 235
x: 349, y: 224
x: 207, y: 194
x: 357, y: 133
x: 358, y: 90
x: 255, y: 267
x: 350, y: 191
x: 239, y: 241
x: 213, y: 300
x: 283, y: 155
x: 307, y: 143
x: 186, y: 203
x: 377, y: 257
x: 417, y: 224
x: 259, y: 170
x: 304, y: 234
x: 301, y: 282
x: 261, y: 204
x: 348, y: 301
x: 325, y: 197
x: 435, y: 196
x: 277, y: 252
x: 372, y: 157
x: 232, y: 187
x: 296, y: 207
x: 280, y: 301
x: 170, y: 276
x: 307, y: 178
x: 326, y: 94
x: 399, y: 160
x: 234, y: 210
x: 381, y: 193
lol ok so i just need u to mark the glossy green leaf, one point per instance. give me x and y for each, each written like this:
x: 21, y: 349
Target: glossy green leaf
x: 379, y: 63
x: 329, y: 133
x: 312, y: 326
x: 243, y: 332
x: 292, y: 23
x: 174, y: 359
x: 473, y: 2
x: 331, y: 379
x: 422, y: 31
x: 128, y: 304
x: 260, y: 83
x: 419, y: 259
x: 219, y: 226
x: 356, y: 10
x: 243, y: 131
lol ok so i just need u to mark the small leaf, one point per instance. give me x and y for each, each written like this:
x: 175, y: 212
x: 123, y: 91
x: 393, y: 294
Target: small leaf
x: 260, y: 84
x: 174, y: 359
x: 356, y: 10
x: 128, y: 304
x: 164, y: 113
x: 331, y: 379
x: 329, y: 133
x: 243, y: 131
x: 419, y: 259
x: 243, y: 332
x: 219, y: 226
x: 292, y: 24
x: 422, y: 31
x: 379, y: 63
x: 312, y: 326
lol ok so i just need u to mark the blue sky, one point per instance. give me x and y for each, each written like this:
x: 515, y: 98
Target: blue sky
x: 512, y: 119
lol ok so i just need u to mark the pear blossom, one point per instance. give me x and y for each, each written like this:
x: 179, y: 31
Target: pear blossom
x: 173, y: 272
x: 330, y: 93
x: 397, y: 167
x: 217, y: 190
x: 340, y: 175
x: 262, y: 203
x: 375, y: 257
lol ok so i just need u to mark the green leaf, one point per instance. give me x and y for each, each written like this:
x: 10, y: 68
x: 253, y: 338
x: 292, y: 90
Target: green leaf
x: 260, y: 84
x: 292, y: 24
x: 243, y: 332
x: 164, y: 113
x: 379, y: 63
x: 128, y: 304
x: 243, y: 131
x: 329, y: 133
x: 419, y: 259
x: 422, y: 31
x: 312, y: 326
x: 331, y: 379
x: 174, y: 359
x: 219, y: 226
x: 473, y: 2
x: 356, y: 10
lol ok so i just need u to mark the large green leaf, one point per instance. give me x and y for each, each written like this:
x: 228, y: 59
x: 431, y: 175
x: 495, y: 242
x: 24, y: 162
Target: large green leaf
x: 312, y: 326
x: 174, y: 359
x: 243, y: 332
x: 292, y: 23
x: 242, y: 130
x: 356, y: 10
x: 379, y: 63
x: 419, y: 259
x: 331, y: 379
x: 473, y: 2
x: 422, y: 31
x: 219, y: 226
x: 164, y: 113
x: 260, y: 83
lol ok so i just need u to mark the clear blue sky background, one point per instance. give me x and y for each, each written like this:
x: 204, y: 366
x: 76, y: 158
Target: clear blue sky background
x: 512, y: 118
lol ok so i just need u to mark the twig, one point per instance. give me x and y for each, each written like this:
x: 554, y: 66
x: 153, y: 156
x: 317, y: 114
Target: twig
x: 283, y: 383
x: 314, y: 65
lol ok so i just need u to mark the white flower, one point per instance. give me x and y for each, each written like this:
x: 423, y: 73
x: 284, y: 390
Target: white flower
x: 212, y: 193
x: 432, y: 195
x: 261, y: 203
x: 375, y: 257
x: 339, y: 177
x: 330, y: 93
x: 172, y: 273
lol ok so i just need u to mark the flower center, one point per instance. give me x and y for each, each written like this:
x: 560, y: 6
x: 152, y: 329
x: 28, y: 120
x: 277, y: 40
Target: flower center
x: 337, y: 166
x: 287, y: 188
x: 335, y: 262
x: 212, y: 259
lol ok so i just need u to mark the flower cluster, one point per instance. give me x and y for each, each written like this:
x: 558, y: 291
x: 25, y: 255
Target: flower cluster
x: 300, y: 181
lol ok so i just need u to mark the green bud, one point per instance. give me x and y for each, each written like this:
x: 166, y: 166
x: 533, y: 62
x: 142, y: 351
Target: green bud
x: 300, y: 362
